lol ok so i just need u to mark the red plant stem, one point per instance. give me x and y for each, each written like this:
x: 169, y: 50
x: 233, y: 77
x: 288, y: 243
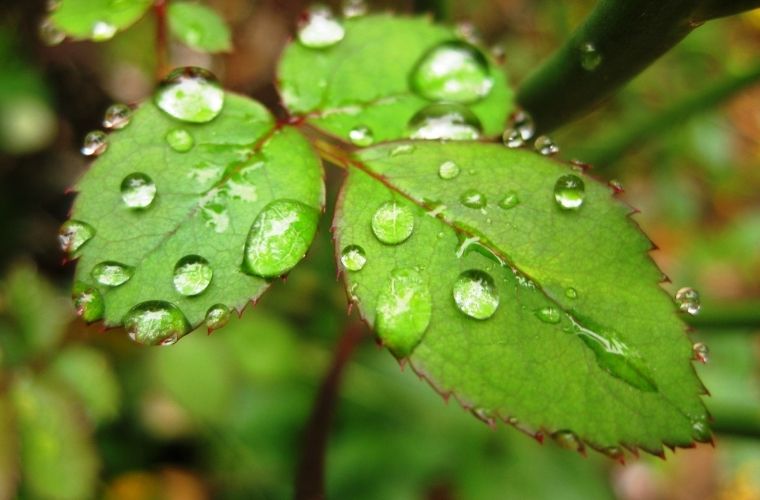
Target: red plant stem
x: 310, y: 474
x: 162, y: 39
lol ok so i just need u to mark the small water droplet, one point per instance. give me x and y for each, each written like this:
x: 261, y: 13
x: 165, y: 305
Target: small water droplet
x: 180, y: 140
x: 700, y: 430
x: 523, y: 123
x: 453, y: 71
x: 569, y: 192
x: 571, y: 293
x: 191, y: 95
x: 155, y: 323
x: 404, y: 309
x: 448, y: 170
x: 567, y: 440
x: 445, y: 121
x: 590, y: 57
x: 393, y: 223
x: 319, y: 29
x: 279, y: 238
x: 50, y: 34
x: 545, y: 146
x: 402, y: 149
x: 353, y: 258
x: 361, y: 135
x: 688, y: 300
x: 192, y: 275
x: 110, y: 273
x: 73, y: 235
x: 472, y: 198
x: 138, y: 190
x: 510, y: 200
x: 354, y: 8
x: 701, y: 352
x: 549, y: 314
x: 117, y: 116
x: 475, y: 294
x: 102, y: 31
x: 512, y: 138
x: 95, y: 143
x: 88, y: 302
x: 217, y: 316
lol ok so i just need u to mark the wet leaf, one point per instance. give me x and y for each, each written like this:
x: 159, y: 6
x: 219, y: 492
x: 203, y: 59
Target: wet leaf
x: 97, y: 20
x: 199, y: 27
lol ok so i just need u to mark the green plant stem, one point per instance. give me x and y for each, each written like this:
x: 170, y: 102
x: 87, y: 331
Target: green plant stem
x: 629, y: 35
x: 743, y: 314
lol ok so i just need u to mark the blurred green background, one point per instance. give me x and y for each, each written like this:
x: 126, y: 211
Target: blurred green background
x: 88, y: 414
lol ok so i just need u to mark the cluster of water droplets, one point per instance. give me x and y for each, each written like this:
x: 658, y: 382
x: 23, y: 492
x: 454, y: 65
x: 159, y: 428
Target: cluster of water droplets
x: 688, y: 301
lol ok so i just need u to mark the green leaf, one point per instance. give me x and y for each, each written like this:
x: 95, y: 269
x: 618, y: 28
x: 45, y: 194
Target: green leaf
x: 199, y: 27
x: 57, y: 456
x: 365, y: 80
x: 201, y: 196
x: 549, y: 316
x: 97, y: 20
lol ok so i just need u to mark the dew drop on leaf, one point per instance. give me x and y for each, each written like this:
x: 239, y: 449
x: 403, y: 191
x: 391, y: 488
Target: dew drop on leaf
x: 404, y: 309
x: 138, y: 190
x: 523, y: 123
x: 701, y: 352
x: 95, y: 143
x: 701, y: 431
x: 192, y: 275
x: 88, y: 302
x: 512, y: 138
x: 319, y: 28
x: 155, y: 323
x: 453, y: 71
x: 472, y: 198
x: 279, y: 238
x: 475, y: 294
x: 571, y: 293
x: 688, y: 300
x: 49, y: 33
x: 569, y: 192
x: 448, y: 170
x: 361, y: 135
x: 567, y: 440
x: 545, y: 146
x: 180, y: 140
x: 73, y: 234
x: 110, y: 273
x: 117, y: 116
x: 445, y: 121
x: 217, y: 316
x: 354, y: 8
x: 549, y: 314
x: 392, y: 223
x: 353, y: 258
x: 590, y: 57
x: 102, y: 31
x: 510, y: 200
x: 191, y: 95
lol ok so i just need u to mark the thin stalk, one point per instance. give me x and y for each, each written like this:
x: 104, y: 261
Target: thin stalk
x: 162, y: 39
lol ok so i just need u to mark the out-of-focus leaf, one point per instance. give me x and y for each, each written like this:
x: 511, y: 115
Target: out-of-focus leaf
x: 199, y: 27
x: 9, y: 463
x: 97, y: 20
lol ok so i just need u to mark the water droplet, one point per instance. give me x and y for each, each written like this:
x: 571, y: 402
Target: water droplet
x: 549, y: 314
x: 102, y: 31
x: 512, y: 138
x: 545, y: 146
x: 701, y: 352
x: 353, y: 258
x: 700, y: 430
x: 88, y: 302
x: 448, y: 170
x: 472, y: 198
x: 688, y: 300
x: 180, y: 140
x: 393, y: 223
x: 402, y: 149
x: 50, y: 34
x: 95, y: 143
x: 319, y: 29
x: 155, y: 323
x: 110, y: 273
x: 354, y: 8
x: 361, y: 135
x: 453, y: 71
x: 279, y: 238
x: 510, y: 200
x: 569, y: 192
x: 590, y: 57
x: 217, y: 316
x: 571, y: 293
x: 475, y: 294
x: 191, y: 95
x: 403, y: 313
x: 117, y: 116
x: 445, y: 121
x: 567, y: 440
x: 138, y: 190
x: 523, y: 123
x: 192, y: 275
x: 73, y: 235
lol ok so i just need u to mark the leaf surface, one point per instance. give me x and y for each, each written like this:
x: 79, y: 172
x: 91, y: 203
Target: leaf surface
x: 97, y: 20
x: 582, y: 339
x: 199, y: 27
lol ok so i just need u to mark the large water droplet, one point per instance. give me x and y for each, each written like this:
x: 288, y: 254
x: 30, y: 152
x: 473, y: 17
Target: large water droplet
x: 110, y: 273
x: 445, y: 121
x: 73, y: 235
x: 95, y: 143
x: 192, y: 275
x: 361, y: 135
x: 393, y: 223
x: 88, y: 302
x: 155, y: 323
x: 117, y: 116
x: 701, y: 352
x: 354, y: 8
x: 472, y: 198
x: 510, y: 200
x: 545, y: 146
x: 404, y: 308
x: 448, y: 170
x: 512, y: 138
x: 549, y: 314
x: 180, y: 140
x: 279, y: 238
x: 475, y: 294
x: 569, y: 192
x: 102, y: 31
x: 590, y: 57
x: 319, y: 29
x: 190, y: 94
x: 49, y: 33
x: 353, y: 258
x: 523, y: 124
x: 453, y: 71
x: 138, y: 190
x: 688, y: 300
x: 217, y: 317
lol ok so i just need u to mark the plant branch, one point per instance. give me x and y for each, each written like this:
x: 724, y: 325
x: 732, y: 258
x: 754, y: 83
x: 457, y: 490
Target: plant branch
x: 162, y: 39
x: 310, y: 475
x: 627, y: 36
